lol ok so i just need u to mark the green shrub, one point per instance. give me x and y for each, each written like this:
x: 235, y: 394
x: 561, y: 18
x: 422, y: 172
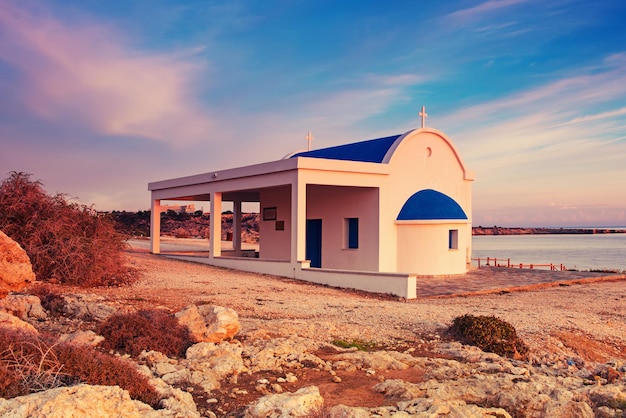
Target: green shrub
x: 31, y: 363
x: 489, y: 334
x: 145, y: 330
x: 65, y: 241
x: 360, y: 345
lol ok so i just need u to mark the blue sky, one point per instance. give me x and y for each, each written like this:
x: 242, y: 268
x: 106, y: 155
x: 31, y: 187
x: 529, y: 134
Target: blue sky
x: 98, y: 98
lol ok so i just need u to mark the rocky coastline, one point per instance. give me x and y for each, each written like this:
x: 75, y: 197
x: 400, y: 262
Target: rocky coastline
x: 498, y: 230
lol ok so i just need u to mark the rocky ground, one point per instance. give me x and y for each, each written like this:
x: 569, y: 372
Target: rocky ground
x: 285, y: 359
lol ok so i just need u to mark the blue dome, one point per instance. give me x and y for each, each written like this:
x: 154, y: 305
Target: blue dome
x: 429, y: 205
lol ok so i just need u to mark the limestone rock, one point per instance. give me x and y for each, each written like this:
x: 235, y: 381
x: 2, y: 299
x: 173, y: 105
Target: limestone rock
x: 23, y: 306
x: 89, y: 338
x: 11, y: 321
x: 16, y: 271
x: 209, y: 363
x: 303, y: 402
x: 399, y: 390
x: 278, y: 353
x: 223, y: 359
x: 87, y: 307
x: 76, y: 401
x: 377, y: 360
x: 343, y: 411
x: 209, y: 323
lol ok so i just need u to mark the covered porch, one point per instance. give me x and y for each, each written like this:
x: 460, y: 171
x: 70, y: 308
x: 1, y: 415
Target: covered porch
x: 287, y: 193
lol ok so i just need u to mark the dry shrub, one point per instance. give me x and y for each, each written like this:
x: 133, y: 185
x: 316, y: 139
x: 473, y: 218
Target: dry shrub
x: 89, y: 366
x: 31, y: 363
x: 145, y: 330
x: 65, y: 241
x: 10, y: 385
x: 490, y: 334
x: 52, y: 301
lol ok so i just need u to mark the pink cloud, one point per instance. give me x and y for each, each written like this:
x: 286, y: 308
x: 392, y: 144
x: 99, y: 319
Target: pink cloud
x: 483, y: 8
x: 86, y: 73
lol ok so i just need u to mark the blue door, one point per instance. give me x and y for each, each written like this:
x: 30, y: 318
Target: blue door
x: 314, y: 242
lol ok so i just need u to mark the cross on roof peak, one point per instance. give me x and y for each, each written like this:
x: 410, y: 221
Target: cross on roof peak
x: 423, y: 114
x: 309, y: 138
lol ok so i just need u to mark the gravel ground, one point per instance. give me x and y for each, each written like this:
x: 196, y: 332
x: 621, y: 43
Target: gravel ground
x: 582, y: 320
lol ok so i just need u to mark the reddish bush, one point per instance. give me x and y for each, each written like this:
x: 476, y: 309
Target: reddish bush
x: 31, y: 363
x: 10, y: 384
x: 145, y: 330
x: 89, y: 366
x: 65, y: 241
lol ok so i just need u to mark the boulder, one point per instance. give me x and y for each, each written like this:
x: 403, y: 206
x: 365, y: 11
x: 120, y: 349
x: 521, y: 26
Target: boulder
x: 23, y: 306
x: 223, y: 359
x: 76, y: 401
x: 209, y: 323
x: 304, y: 402
x: 11, y: 321
x: 16, y: 271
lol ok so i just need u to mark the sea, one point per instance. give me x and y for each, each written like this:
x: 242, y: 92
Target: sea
x: 574, y: 251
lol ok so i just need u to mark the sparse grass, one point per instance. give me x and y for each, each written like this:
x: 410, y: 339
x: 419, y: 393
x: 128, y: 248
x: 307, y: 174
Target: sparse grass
x: 145, y: 330
x: 490, y: 334
x: 360, y: 345
x: 31, y: 363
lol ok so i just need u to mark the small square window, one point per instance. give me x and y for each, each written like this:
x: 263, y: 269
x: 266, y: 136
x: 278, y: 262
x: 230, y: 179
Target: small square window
x: 352, y: 232
x: 453, y: 239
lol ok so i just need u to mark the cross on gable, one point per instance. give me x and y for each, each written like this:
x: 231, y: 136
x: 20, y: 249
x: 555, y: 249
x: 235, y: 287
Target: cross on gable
x: 423, y: 114
x: 309, y: 138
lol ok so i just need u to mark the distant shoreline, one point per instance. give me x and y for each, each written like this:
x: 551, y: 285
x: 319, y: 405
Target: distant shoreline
x: 497, y: 230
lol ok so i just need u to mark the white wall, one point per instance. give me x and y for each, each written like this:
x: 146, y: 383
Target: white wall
x: 425, y: 159
x: 333, y: 204
x: 423, y: 248
x: 273, y: 244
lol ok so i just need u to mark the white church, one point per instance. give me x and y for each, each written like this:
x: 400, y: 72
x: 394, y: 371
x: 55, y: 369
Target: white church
x: 371, y: 215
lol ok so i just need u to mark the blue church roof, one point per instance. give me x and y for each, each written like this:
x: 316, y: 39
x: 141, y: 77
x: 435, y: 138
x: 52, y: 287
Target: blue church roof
x: 429, y: 205
x: 370, y: 151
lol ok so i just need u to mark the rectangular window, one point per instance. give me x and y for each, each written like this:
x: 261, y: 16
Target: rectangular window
x: 352, y: 233
x: 453, y: 239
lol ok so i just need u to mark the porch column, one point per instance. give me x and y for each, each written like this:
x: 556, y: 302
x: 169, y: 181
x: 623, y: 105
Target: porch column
x: 237, y: 226
x: 155, y: 226
x: 298, y: 220
x: 215, y: 219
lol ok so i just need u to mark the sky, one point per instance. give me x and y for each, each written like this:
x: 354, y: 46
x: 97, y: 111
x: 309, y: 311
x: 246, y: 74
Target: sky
x: 99, y: 98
